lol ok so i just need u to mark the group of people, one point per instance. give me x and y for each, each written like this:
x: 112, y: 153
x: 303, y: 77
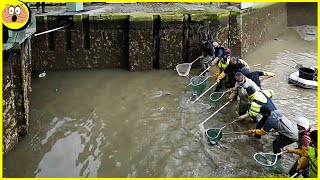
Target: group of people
x: 234, y: 74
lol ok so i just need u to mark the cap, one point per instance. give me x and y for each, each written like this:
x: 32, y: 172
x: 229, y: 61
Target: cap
x: 250, y: 90
x: 238, y: 74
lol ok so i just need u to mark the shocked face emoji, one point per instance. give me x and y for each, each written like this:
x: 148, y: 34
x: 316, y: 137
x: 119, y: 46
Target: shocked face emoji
x: 15, y: 16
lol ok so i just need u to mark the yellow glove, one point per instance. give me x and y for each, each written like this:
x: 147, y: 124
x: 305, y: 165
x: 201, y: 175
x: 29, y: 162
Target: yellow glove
x: 257, y: 131
x: 260, y: 132
x: 218, y: 72
x: 252, y: 131
x: 301, y: 152
x: 269, y: 74
x: 303, y: 162
x: 290, y: 150
x: 222, y: 75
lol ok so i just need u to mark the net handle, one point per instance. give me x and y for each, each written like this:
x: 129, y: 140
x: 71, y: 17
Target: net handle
x: 290, y: 98
x: 226, y: 126
x: 201, y: 124
x: 237, y: 132
x: 295, y: 175
x: 204, y: 93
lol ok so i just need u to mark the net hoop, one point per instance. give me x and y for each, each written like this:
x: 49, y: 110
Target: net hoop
x: 191, y: 80
x: 261, y: 154
x: 179, y: 69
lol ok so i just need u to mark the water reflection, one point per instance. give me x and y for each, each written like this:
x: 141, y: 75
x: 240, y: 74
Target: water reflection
x: 77, y: 153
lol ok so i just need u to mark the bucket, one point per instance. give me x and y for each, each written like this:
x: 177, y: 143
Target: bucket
x: 198, y: 83
x: 306, y: 73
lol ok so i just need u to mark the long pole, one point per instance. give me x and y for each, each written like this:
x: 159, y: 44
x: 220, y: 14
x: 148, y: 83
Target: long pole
x: 203, y: 93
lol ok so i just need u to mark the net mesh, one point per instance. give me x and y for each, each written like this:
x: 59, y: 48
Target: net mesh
x: 265, y: 159
x: 215, y: 99
x: 212, y: 136
x: 269, y: 162
x: 198, y: 83
x: 183, y: 69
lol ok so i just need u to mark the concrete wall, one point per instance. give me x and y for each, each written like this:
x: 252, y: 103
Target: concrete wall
x: 133, y: 42
x: 147, y: 41
x: 300, y: 14
x: 16, y: 89
x: 262, y: 24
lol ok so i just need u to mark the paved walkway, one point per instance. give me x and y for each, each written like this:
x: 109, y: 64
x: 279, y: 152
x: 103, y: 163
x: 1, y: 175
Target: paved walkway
x: 90, y: 8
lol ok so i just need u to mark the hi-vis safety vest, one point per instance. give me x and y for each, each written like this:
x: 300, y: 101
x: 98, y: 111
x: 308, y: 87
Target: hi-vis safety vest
x: 260, y: 98
x: 222, y: 65
x: 313, y: 162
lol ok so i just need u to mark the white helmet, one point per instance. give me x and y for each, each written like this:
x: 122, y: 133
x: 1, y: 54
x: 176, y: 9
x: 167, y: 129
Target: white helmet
x: 304, y: 122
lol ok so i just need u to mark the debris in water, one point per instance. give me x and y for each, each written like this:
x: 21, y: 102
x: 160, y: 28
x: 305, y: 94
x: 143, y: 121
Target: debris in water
x: 160, y: 93
x: 41, y: 75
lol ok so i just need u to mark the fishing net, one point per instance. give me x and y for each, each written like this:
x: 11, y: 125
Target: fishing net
x: 198, y: 83
x: 270, y: 162
x: 215, y: 99
x: 183, y: 69
x: 213, y: 135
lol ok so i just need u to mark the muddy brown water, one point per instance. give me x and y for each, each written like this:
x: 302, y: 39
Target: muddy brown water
x: 115, y: 123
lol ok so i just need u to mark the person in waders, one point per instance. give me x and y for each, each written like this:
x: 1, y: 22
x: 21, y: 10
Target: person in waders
x: 313, y: 154
x: 218, y: 53
x: 235, y: 65
x: 239, y: 90
x: 258, y: 99
x: 275, y: 121
x: 207, y: 54
x: 221, y: 75
x: 301, y: 165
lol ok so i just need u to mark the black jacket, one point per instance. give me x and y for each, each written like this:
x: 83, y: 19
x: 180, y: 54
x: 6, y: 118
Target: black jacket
x: 207, y: 49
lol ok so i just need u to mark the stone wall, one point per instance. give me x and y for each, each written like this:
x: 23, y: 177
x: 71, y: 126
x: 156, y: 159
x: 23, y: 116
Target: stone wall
x: 302, y: 13
x: 141, y: 43
x: 133, y: 42
x: 150, y: 40
x: 16, y: 90
x: 205, y: 25
x: 88, y: 42
x: 262, y: 24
